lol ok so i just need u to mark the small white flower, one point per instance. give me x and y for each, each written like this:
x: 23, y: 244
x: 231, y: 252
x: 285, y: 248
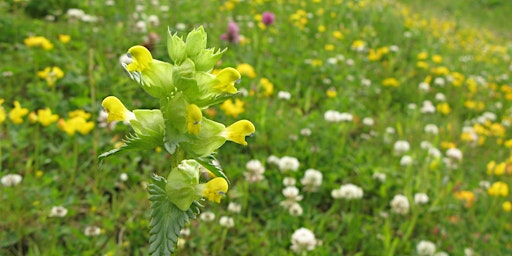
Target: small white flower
x: 153, y: 20
x: 428, y: 107
x: 406, y: 160
x: 469, y: 251
x: 368, y: 121
x: 366, y: 82
x: 484, y: 184
x: 288, y: 163
x: 273, y: 160
x: 292, y: 193
x: 234, y: 207
x: 390, y: 130
x: 207, y: 216
x: 346, y: 117
x: 332, y: 61
x: 11, y: 180
x: 303, y: 240
x: 312, y: 180
x: 92, y: 231
x: 350, y: 62
x: 412, y: 106
x: 440, y: 97
x: 420, y: 198
x: 289, y: 181
x: 400, y: 204
x: 425, y: 145
x: 379, y: 176
x: 227, y: 222
x: 434, y: 152
x: 141, y: 26
x: 431, y: 129
x: 305, y: 132
x: 425, y: 87
x: 58, y: 211
x: 454, y: 153
x: 185, y: 232
x: 75, y: 14
x: 401, y: 146
x: 348, y: 191
x: 332, y: 116
x: 284, y: 95
x: 123, y: 176
x: 394, y: 48
x: 425, y: 248
x: 295, y: 209
x: 440, y: 82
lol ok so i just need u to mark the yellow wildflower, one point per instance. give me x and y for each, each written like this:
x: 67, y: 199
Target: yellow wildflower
x: 237, y: 131
x: 337, y: 34
x: 422, y: 56
x: 38, y: 41
x: 215, y: 189
x: 358, y: 45
x: 321, y: 28
x: 444, y: 108
x: 331, y: 92
x: 508, y: 143
x: 391, y: 82
x: 507, y: 206
x: 64, y: 38
x: 51, y: 74
x: 422, y: 64
x: 2, y: 111
x: 329, y: 47
x: 116, y: 110
x: 268, y: 87
x: 437, y: 58
x: 17, y: 113
x: 75, y: 124
x: 194, y: 117
x: 45, y: 117
x: 246, y: 70
x: 440, y: 71
x: 233, y: 108
x: 466, y: 196
x: 498, y: 188
x: 226, y: 80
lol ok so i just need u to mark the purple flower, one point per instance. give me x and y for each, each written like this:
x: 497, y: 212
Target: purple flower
x: 268, y: 18
x: 233, y: 34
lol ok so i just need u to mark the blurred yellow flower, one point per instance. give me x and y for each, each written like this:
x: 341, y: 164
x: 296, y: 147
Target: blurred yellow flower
x: 79, y: 113
x: 329, y: 47
x: 38, y: 41
x: 64, y: 38
x: 507, y: 206
x: 77, y: 122
x: 51, y: 74
x: 337, y: 34
x: 246, y: 70
x: 466, y: 196
x: 2, y: 111
x: 44, y: 117
x: 331, y: 92
x: 422, y: 56
x: 391, y: 82
x: 268, y: 87
x: 443, y: 108
x: 321, y: 28
x: 437, y: 58
x: 17, y: 113
x: 422, y: 64
x: 498, y: 188
x: 233, y: 108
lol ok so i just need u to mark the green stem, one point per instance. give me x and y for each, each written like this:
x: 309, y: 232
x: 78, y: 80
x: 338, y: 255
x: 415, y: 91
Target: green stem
x: 220, y: 248
x: 36, y: 149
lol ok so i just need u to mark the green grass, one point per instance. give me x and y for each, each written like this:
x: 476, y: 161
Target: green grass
x: 305, y: 59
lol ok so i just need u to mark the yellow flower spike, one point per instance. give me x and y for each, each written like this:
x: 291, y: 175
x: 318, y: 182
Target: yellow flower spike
x: 45, y: 117
x: 215, y: 189
x: 227, y: 79
x: 17, y: 113
x: 141, y: 58
x: 116, y: 110
x: 194, y: 117
x: 237, y: 131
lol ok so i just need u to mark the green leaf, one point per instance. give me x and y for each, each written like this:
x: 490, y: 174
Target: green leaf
x: 167, y: 220
x: 134, y: 141
x: 208, y: 162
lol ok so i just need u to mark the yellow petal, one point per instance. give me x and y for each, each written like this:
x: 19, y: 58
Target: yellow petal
x: 237, y: 131
x: 116, y: 110
x: 215, y: 189
x: 227, y: 78
x: 194, y: 117
x: 141, y: 58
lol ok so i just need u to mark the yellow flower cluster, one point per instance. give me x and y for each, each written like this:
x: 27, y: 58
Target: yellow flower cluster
x: 51, y: 74
x: 38, y: 41
x: 77, y: 122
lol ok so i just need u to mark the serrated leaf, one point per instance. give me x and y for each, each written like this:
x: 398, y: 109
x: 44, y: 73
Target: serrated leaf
x: 208, y: 162
x: 167, y: 220
x: 134, y: 141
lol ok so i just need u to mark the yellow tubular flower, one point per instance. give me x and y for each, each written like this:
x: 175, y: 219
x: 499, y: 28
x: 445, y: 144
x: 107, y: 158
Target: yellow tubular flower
x: 116, y: 110
x: 227, y: 79
x: 194, y: 117
x: 237, y: 131
x: 215, y: 189
x: 141, y: 58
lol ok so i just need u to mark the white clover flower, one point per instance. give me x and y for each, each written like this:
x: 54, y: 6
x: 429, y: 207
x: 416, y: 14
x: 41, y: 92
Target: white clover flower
x: 428, y: 107
x: 58, y: 211
x: 441, y: 254
x: 407, y: 34
x: 332, y: 61
x: 379, y: 176
x: 440, y: 97
x: 425, y: 248
x: 390, y: 130
x: 420, y: 198
x: 273, y: 160
x: 469, y: 251
x: 412, y: 106
x: 123, y: 176
x: 348, y: 191
x: 110, y: 2
x: 425, y: 87
x: 312, y: 180
x: 226, y: 221
x: 141, y: 26
x: 484, y: 184
x: 332, y: 116
x: 11, y: 180
x: 400, y: 204
x: 303, y: 240
x: 92, y: 231
x: 284, y: 95
x: 431, y: 129
x: 454, y: 153
x: 289, y: 181
x: 401, y: 146
x: 346, y: 117
x: 366, y: 82
x: 350, y: 62
x: 255, y: 170
x: 406, y: 160
x: 207, y: 216
x: 440, y: 82
x: 295, y: 209
x: 153, y: 20
x: 305, y: 132
x: 434, y: 152
x: 368, y: 121
x: 74, y: 14
x: 425, y: 144
x: 234, y: 207
x: 185, y: 232
x: 288, y: 163
x: 292, y: 193
x: 394, y: 48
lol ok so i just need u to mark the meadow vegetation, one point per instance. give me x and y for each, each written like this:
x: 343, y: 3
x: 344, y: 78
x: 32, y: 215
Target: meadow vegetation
x: 380, y: 130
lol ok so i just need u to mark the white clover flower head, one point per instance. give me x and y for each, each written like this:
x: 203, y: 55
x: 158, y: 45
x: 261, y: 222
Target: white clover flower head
x: 400, y: 204
x: 368, y: 121
x: 489, y: 116
x: 350, y: 62
x: 288, y: 163
x: 305, y: 132
x: 89, y: 18
x: 366, y: 82
x: 207, y: 216
x: 469, y: 251
x: 412, y: 106
x: 226, y: 221
x: 123, y: 176
x: 58, y: 211
x: 348, y: 191
x: 255, y: 170
x: 431, y: 129
x: 303, y: 240
x: 295, y: 209
x: 74, y: 14
x: 420, y: 198
x: 394, y: 48
x: 153, y: 20
x: 234, y: 207
x: 185, y: 232
x: 440, y: 97
x: 390, y: 130
x: 273, y: 160
x: 401, y: 146
x: 289, y: 181
x: 381, y: 177
x: 454, y: 153
x: 441, y: 253
x: 425, y: 145
x: 427, y: 107
x: 332, y: 61
x: 434, y: 152
x: 92, y: 231
x: 180, y: 26
x: 284, y: 95
x: 292, y: 193
x: 110, y: 2
x: 332, y: 116
x: 406, y: 160
x: 141, y: 27
x: 11, y: 180
x: 425, y: 87
x: 439, y: 81
x: 484, y: 184
x: 346, y: 117
x: 425, y: 248
x: 312, y: 180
